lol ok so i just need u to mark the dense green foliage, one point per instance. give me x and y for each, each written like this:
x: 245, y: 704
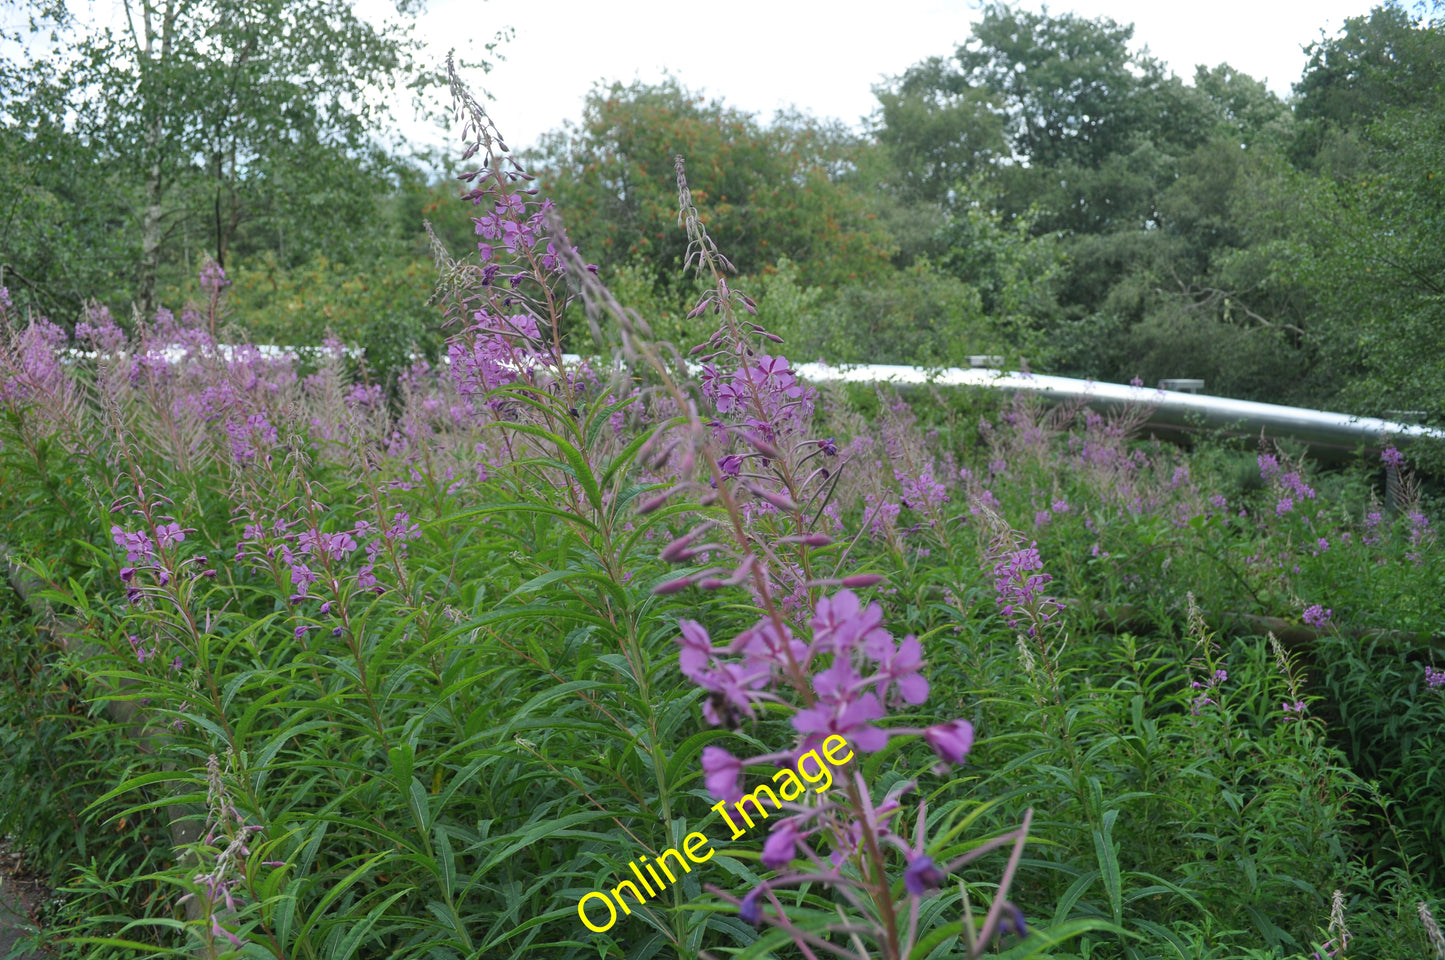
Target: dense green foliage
x: 378, y: 656
x: 442, y: 766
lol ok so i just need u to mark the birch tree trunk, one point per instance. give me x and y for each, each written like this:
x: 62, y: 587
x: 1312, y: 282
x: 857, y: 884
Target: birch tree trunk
x: 154, y: 49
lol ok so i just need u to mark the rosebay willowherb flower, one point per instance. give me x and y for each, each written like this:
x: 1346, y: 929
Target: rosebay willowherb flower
x: 1207, y: 667
x: 842, y: 678
x: 823, y: 659
x: 1019, y: 582
x: 224, y: 850
x: 507, y: 305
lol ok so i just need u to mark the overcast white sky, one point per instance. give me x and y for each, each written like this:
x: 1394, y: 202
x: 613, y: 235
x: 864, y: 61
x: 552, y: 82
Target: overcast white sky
x: 823, y: 57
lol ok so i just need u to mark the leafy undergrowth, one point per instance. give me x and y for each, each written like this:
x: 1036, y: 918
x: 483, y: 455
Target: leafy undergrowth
x: 299, y: 671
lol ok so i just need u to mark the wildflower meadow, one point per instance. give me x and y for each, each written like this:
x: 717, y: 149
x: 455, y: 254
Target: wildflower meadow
x: 305, y: 663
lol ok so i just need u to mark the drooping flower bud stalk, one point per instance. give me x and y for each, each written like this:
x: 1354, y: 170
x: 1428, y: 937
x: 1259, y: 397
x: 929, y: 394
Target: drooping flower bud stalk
x: 510, y: 306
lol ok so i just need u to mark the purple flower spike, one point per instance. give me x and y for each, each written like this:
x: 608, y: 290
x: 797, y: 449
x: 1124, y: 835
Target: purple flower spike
x: 922, y: 876
x: 126, y: 573
x: 781, y: 845
x: 951, y: 741
x: 722, y: 770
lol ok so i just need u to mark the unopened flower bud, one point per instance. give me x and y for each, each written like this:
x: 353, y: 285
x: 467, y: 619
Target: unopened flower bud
x: 763, y: 446
x: 922, y: 875
x: 741, y: 573
x: 749, y: 910
x: 862, y: 580
x: 809, y: 539
x: 672, y: 586
x: 659, y: 460
x: 669, y: 552
x: 701, y: 306
x: 653, y: 503
x: 778, y: 500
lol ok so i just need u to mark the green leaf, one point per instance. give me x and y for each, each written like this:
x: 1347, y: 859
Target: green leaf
x: 420, y: 809
x: 446, y: 861
x: 402, y: 758
x: 576, y: 463
x: 1107, y: 855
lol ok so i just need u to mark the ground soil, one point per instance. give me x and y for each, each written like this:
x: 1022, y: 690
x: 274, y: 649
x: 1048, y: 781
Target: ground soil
x: 20, y: 896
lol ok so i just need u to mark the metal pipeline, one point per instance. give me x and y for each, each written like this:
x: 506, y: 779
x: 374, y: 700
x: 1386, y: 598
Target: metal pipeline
x: 1170, y: 412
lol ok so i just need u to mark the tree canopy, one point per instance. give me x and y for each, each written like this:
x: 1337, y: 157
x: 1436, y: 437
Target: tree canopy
x: 764, y: 190
x: 229, y: 127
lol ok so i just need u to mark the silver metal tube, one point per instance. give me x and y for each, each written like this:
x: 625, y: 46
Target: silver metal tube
x: 1170, y: 412
x: 1329, y: 435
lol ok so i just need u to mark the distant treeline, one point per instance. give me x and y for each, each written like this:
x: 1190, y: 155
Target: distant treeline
x: 1041, y: 192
